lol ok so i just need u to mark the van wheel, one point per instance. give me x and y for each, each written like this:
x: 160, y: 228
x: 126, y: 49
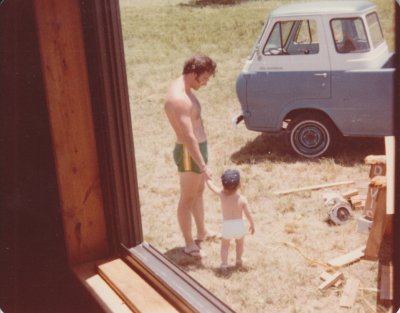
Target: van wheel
x: 311, y: 135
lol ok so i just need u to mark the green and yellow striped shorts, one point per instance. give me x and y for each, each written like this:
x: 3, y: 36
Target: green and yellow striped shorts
x: 183, y: 160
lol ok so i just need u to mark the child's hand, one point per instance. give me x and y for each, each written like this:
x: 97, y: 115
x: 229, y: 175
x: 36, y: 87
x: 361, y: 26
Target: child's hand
x: 252, y: 229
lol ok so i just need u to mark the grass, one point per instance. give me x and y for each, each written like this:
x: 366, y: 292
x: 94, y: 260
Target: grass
x: 292, y: 238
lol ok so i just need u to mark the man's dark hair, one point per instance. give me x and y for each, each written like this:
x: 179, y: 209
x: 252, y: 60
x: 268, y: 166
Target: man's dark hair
x: 199, y: 64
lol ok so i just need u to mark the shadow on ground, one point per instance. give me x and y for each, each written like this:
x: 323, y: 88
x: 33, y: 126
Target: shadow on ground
x: 348, y: 151
x: 188, y: 263
x: 180, y: 258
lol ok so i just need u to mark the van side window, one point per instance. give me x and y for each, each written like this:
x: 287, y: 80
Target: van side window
x: 375, y: 29
x: 293, y: 37
x: 349, y: 35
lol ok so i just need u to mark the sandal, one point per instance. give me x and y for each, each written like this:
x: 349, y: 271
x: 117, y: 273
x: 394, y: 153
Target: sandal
x: 193, y: 252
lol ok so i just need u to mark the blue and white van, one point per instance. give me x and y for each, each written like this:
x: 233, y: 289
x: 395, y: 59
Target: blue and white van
x: 319, y: 70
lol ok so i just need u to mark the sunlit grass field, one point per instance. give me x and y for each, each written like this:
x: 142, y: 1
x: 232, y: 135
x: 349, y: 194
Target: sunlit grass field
x: 291, y: 229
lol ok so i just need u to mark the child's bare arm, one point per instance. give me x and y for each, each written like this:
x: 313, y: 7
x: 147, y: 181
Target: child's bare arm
x: 212, y: 187
x: 248, y: 215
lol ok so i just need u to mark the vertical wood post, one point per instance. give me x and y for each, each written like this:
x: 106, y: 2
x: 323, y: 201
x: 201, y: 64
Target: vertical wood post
x: 69, y: 104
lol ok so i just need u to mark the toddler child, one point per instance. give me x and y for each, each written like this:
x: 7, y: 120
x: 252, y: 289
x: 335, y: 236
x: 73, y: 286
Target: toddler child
x: 233, y: 205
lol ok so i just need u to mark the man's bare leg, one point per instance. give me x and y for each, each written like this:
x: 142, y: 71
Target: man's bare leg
x: 189, y: 184
x: 198, y: 212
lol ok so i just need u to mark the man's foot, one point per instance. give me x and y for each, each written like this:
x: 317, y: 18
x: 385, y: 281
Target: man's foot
x: 193, y: 251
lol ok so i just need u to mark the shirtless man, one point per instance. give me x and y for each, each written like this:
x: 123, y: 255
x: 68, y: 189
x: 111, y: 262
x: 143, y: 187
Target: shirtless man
x: 190, y: 154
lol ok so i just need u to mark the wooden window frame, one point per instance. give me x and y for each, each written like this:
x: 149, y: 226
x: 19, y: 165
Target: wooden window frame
x: 110, y: 118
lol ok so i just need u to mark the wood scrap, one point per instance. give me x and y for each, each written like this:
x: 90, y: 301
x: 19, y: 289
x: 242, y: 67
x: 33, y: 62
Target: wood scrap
x: 351, y: 193
x: 325, y: 276
x: 376, y: 196
x: 358, y: 205
x: 330, y: 281
x: 378, y: 227
x: 386, y: 282
x: 378, y: 181
x: 358, y: 197
x: 390, y: 173
x: 348, y: 258
x: 349, y: 293
x: 375, y: 159
x: 283, y: 192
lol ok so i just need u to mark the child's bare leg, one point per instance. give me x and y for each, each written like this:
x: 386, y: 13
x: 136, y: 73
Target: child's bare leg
x: 239, y: 250
x: 224, y: 251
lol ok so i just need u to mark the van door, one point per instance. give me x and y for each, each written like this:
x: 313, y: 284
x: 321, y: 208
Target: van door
x: 291, y: 64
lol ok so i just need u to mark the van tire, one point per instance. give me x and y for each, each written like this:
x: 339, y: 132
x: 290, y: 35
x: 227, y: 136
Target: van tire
x: 311, y: 135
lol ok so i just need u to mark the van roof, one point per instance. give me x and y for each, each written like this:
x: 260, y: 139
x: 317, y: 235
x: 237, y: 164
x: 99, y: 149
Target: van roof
x: 323, y: 7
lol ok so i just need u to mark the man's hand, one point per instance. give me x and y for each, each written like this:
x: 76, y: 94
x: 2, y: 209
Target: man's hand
x: 206, y: 172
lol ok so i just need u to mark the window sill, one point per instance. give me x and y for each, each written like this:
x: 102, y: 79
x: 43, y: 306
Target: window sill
x: 143, y: 280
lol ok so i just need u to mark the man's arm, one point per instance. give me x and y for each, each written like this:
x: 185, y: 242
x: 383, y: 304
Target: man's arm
x: 184, y: 122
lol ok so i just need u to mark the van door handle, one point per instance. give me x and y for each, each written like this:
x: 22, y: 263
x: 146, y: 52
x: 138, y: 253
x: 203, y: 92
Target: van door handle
x: 324, y: 75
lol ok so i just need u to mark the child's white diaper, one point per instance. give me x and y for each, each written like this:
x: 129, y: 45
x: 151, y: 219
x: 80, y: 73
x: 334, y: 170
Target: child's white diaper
x: 233, y: 229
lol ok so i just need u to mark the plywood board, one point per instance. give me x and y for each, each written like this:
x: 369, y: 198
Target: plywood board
x: 349, y: 293
x: 348, y: 258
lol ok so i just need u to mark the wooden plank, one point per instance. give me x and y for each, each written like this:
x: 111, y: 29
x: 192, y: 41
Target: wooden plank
x: 378, y: 227
x: 283, y: 192
x: 358, y: 197
x: 351, y: 193
x: 377, y: 186
x: 105, y: 296
x: 390, y: 170
x: 386, y: 282
x: 348, y: 258
x: 330, y: 281
x: 64, y: 68
x: 377, y: 170
x: 375, y: 159
x: 325, y: 276
x: 349, y: 293
x: 136, y: 292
